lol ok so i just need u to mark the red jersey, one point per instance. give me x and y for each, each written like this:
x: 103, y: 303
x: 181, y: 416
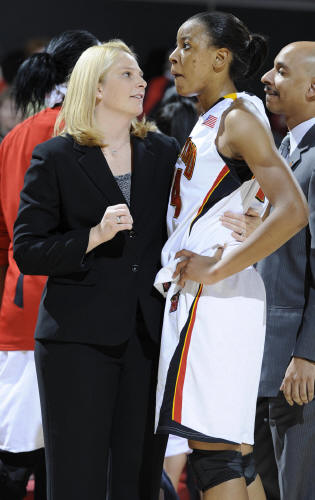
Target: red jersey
x: 21, y: 294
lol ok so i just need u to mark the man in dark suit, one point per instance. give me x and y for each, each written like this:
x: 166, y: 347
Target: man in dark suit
x: 285, y: 420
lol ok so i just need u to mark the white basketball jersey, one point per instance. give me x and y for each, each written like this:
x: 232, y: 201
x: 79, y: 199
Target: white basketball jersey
x: 202, y: 387
x: 204, y: 187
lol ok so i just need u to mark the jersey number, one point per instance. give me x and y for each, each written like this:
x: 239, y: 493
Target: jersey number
x: 175, y: 197
x: 188, y: 157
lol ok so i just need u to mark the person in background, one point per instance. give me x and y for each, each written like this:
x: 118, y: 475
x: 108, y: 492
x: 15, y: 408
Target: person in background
x: 92, y: 218
x: 12, y: 60
x: 158, y: 84
x: 176, y: 115
x: 42, y: 78
x: 214, y: 320
x: 9, y: 115
x: 285, y: 420
x: 10, y: 63
x: 33, y: 45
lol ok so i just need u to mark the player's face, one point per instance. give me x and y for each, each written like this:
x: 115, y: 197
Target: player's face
x: 123, y: 88
x: 192, y: 59
x: 286, y: 83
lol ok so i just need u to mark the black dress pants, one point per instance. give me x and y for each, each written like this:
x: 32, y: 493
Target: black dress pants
x: 95, y: 399
x: 264, y: 451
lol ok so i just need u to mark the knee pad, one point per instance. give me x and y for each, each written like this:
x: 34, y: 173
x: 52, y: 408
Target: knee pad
x: 213, y: 467
x: 249, y: 468
x: 13, y: 481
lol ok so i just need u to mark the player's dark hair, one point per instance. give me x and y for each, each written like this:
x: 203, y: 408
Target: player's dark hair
x: 38, y: 74
x: 249, y: 50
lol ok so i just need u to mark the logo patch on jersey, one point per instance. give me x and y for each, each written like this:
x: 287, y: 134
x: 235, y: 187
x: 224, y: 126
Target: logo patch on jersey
x: 166, y: 286
x: 210, y: 121
x: 174, y: 302
x: 188, y: 157
x: 175, y: 196
x: 260, y: 196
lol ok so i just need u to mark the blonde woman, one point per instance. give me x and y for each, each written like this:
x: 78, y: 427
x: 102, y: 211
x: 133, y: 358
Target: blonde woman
x: 92, y: 218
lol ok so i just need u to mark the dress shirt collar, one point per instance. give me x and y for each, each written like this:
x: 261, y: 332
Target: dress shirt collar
x: 298, y: 132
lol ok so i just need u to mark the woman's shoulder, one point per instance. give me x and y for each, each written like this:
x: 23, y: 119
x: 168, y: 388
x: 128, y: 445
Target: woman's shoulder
x: 58, y: 144
x: 161, y: 141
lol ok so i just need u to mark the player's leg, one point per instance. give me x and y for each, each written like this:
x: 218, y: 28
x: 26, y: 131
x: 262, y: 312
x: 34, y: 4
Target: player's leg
x: 224, y: 471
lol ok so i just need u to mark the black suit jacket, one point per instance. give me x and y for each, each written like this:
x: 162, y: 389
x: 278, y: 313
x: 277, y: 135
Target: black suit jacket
x: 93, y: 298
x: 289, y: 277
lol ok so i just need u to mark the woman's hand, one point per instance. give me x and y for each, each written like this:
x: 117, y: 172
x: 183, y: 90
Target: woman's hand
x: 195, y: 267
x: 116, y: 218
x: 242, y: 225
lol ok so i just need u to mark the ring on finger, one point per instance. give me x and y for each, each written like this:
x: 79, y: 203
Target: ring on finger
x: 118, y: 219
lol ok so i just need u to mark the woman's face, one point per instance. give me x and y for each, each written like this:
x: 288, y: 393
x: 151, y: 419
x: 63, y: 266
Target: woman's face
x: 123, y: 87
x: 192, y: 60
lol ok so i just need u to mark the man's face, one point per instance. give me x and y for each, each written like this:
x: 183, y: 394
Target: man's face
x: 287, y: 83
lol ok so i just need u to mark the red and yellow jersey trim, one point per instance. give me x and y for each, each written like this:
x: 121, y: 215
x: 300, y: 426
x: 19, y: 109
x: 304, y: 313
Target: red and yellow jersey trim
x: 178, y: 393
x: 225, y: 170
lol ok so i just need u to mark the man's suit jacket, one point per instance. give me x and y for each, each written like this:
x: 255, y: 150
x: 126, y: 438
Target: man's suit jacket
x: 289, y: 277
x: 93, y: 298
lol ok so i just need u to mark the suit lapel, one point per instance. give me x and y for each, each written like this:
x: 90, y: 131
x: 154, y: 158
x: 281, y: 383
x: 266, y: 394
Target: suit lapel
x: 305, y: 144
x: 296, y: 156
x: 93, y: 162
x: 143, y: 177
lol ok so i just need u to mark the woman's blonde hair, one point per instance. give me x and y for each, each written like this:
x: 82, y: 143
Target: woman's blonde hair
x: 77, y: 113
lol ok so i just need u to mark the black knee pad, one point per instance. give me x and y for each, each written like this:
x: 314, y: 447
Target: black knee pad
x: 249, y: 468
x: 213, y: 467
x: 13, y: 481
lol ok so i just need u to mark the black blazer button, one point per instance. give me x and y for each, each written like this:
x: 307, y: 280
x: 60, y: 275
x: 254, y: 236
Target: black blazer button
x: 132, y: 234
x: 135, y: 268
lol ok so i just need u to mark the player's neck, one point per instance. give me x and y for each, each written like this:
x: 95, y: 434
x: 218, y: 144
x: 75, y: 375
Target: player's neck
x: 211, y: 95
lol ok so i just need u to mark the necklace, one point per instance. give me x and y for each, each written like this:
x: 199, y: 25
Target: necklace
x: 114, y: 151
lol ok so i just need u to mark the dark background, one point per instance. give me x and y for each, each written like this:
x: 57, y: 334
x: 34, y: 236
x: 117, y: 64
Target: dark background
x: 152, y: 24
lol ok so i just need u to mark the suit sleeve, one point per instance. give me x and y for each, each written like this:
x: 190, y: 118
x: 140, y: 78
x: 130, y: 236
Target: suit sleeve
x: 40, y: 246
x: 176, y: 146
x: 305, y: 344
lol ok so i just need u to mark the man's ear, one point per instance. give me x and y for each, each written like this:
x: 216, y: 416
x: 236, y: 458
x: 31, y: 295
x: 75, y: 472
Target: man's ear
x: 222, y: 57
x: 310, y: 93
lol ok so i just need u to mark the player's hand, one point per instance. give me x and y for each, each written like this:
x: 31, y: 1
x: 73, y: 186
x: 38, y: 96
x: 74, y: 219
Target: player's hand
x: 116, y: 218
x: 195, y: 267
x: 241, y: 225
x: 298, y: 383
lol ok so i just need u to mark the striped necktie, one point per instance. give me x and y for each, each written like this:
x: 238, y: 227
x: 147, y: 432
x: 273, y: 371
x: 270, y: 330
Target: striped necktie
x: 285, y: 147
